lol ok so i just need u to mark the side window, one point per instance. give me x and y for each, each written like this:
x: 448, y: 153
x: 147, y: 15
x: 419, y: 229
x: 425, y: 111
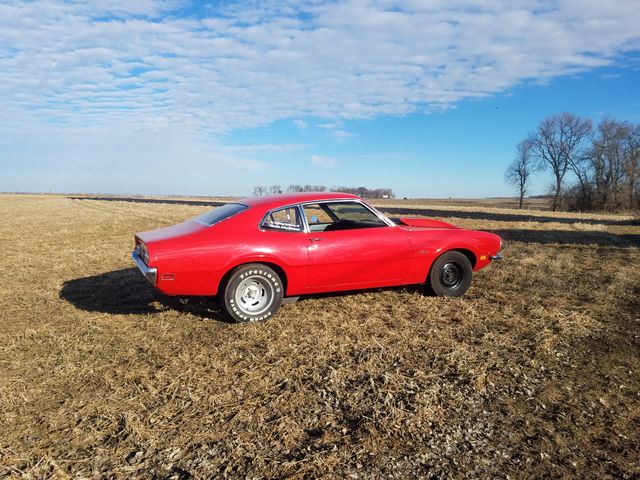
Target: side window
x: 326, y: 217
x: 355, y: 213
x: 286, y: 219
x: 317, y: 217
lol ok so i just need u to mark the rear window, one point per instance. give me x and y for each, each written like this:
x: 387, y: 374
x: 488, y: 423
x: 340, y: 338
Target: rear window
x: 221, y: 213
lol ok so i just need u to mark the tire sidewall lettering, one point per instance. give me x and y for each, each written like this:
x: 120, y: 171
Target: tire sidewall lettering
x: 234, y: 309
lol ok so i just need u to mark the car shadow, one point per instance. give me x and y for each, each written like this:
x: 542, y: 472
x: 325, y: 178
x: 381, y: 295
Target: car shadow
x: 170, y: 201
x: 506, y: 217
x: 570, y: 237
x: 127, y: 292
x: 411, y: 288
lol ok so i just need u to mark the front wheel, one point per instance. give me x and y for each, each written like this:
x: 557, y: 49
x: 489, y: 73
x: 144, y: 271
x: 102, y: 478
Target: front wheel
x: 252, y: 293
x: 450, y: 275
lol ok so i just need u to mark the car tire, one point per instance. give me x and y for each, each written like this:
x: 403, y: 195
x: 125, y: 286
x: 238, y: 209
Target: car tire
x: 252, y: 293
x: 450, y: 275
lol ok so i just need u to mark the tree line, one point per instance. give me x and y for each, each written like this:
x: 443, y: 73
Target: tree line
x: 593, y: 168
x: 363, y: 192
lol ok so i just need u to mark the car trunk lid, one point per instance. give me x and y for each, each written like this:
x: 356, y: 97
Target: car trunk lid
x: 168, y: 233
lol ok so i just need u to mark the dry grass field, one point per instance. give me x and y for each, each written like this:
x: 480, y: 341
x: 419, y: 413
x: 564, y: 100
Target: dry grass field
x: 534, y: 373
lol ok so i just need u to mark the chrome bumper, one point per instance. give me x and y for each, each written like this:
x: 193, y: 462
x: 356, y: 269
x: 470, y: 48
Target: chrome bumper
x: 149, y: 273
x: 497, y: 256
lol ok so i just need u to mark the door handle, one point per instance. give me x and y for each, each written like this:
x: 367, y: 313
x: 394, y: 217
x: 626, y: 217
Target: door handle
x: 316, y: 239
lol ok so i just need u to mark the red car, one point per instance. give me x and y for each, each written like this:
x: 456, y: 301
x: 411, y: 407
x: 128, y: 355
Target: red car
x: 255, y: 252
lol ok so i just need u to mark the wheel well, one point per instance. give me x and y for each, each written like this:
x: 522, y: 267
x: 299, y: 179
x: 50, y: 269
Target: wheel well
x: 276, y: 268
x: 467, y: 253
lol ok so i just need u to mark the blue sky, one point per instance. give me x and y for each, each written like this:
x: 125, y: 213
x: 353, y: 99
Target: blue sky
x: 428, y: 98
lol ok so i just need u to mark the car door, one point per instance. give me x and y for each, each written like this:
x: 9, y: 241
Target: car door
x: 283, y: 238
x: 351, y: 247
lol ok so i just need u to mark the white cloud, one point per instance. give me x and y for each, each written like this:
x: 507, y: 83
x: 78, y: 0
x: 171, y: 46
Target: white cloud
x: 342, y: 134
x: 114, y: 67
x: 336, y: 129
x: 320, y: 161
x: 329, y: 125
x: 301, y: 124
x: 124, y: 65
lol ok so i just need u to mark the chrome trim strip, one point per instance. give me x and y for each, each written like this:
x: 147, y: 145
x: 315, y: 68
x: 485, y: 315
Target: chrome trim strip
x: 150, y: 274
x: 373, y: 210
x: 305, y: 224
x: 497, y: 256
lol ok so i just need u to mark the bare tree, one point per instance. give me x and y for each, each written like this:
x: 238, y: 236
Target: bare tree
x: 582, y: 192
x: 295, y: 188
x: 557, y: 143
x: 366, y: 192
x: 314, y: 188
x: 631, y: 166
x: 275, y: 189
x: 521, y: 169
x: 604, y: 159
x: 306, y: 188
x: 606, y: 168
x: 611, y: 162
x: 259, y: 190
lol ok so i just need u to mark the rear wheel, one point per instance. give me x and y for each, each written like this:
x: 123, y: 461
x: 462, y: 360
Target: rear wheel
x: 450, y: 275
x: 252, y: 293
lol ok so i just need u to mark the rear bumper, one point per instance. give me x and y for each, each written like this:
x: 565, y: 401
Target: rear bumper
x: 497, y: 256
x: 151, y: 274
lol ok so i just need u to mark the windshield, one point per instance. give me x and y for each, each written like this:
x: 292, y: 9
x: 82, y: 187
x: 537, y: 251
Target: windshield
x: 221, y: 213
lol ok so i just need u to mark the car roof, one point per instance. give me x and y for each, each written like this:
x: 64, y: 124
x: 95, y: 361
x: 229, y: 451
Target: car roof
x: 274, y: 201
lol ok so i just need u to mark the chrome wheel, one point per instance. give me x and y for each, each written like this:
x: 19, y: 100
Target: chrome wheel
x: 254, y: 295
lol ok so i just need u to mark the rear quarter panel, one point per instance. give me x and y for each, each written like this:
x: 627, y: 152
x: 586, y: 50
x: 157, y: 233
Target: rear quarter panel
x: 200, y: 260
